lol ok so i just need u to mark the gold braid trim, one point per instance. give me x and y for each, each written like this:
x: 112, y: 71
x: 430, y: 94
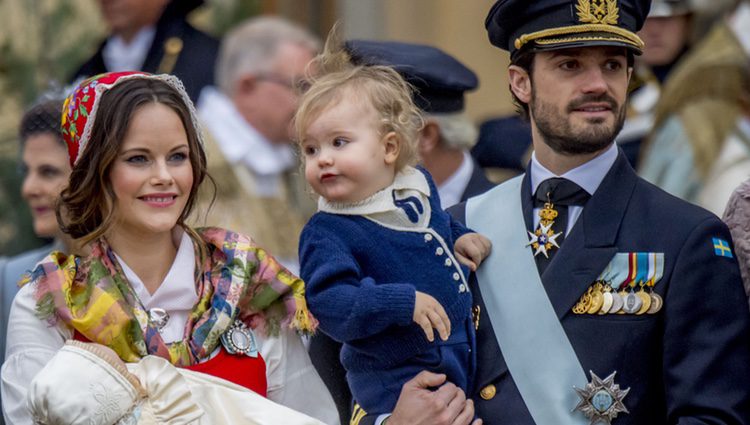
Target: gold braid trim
x: 628, y: 36
x: 548, y: 41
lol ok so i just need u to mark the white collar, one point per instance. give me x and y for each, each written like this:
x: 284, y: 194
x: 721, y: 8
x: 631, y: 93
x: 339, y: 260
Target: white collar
x: 739, y: 22
x: 238, y: 140
x: 177, y: 291
x: 409, y: 179
x: 454, y: 186
x: 119, y: 55
x: 589, y: 175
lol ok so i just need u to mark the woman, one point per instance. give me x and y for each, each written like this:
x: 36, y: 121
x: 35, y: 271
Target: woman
x: 208, y: 300
x: 44, y: 160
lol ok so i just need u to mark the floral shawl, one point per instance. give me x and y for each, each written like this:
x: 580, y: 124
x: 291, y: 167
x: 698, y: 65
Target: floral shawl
x: 235, y: 280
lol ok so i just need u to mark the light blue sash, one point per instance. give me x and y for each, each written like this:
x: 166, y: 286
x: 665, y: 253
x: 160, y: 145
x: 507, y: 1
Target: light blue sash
x: 538, y: 353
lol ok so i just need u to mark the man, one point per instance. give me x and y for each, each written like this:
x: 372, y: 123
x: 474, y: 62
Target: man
x: 558, y: 340
x: 154, y: 36
x: 440, y: 82
x: 250, y: 155
x: 698, y: 149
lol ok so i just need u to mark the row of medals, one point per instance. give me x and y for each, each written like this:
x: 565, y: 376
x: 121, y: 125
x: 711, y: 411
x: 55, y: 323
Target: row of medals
x: 602, y: 299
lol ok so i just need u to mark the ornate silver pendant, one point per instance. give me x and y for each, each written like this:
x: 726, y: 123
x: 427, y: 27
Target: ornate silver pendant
x: 601, y: 400
x: 159, y: 317
x: 239, y: 339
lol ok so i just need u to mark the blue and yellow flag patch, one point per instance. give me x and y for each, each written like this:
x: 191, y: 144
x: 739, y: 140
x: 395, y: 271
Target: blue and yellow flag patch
x: 722, y: 248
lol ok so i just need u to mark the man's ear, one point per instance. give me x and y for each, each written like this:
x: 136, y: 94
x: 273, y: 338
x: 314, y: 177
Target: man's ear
x: 392, y: 145
x: 520, y: 83
x: 429, y: 137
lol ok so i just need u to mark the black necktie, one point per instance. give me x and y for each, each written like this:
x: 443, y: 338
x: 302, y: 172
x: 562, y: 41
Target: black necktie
x: 556, y: 194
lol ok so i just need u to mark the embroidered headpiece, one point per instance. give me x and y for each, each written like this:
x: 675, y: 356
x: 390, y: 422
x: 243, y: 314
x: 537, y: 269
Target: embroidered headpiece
x: 81, y: 106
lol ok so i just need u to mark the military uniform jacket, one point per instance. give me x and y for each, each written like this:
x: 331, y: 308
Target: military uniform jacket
x: 177, y: 49
x: 690, y: 362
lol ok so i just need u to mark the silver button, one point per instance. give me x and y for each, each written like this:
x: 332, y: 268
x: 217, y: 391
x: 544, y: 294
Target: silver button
x: 456, y: 276
x: 427, y: 237
x: 448, y: 262
x: 439, y: 251
x: 462, y: 288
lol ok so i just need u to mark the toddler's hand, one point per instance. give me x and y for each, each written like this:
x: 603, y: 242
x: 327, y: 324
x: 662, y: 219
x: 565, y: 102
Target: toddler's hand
x: 471, y: 249
x: 428, y: 313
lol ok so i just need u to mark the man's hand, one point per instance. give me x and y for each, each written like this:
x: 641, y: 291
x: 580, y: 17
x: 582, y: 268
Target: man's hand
x: 471, y: 249
x: 418, y: 405
x: 429, y: 314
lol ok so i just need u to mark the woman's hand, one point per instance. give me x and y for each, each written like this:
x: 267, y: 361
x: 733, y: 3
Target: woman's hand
x: 471, y: 249
x: 429, y: 314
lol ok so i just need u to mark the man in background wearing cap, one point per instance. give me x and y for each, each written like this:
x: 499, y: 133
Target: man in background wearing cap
x: 605, y: 300
x: 439, y: 81
x: 699, y: 149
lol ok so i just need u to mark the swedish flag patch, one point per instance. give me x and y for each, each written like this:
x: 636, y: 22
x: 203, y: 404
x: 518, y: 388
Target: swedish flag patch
x: 722, y: 248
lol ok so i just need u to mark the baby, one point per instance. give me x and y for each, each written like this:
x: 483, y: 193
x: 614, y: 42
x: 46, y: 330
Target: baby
x: 378, y: 257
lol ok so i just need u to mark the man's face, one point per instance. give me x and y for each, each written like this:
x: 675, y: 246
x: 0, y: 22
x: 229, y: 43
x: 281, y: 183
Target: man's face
x: 127, y: 17
x: 269, y: 103
x: 665, y: 39
x: 577, y: 97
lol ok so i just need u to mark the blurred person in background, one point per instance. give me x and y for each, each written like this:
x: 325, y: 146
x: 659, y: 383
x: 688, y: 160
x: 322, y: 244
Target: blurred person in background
x: 666, y: 34
x: 247, y: 118
x: 154, y: 36
x: 698, y: 149
x: 44, y: 162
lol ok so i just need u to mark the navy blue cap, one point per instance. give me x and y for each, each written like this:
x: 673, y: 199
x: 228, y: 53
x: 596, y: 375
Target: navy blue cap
x: 517, y: 25
x: 440, y: 79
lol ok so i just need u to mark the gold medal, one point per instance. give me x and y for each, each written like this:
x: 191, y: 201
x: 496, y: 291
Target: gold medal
x: 656, y: 303
x: 597, y: 300
x: 583, y: 304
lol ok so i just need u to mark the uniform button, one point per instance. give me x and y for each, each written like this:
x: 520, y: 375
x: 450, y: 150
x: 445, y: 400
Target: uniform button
x: 439, y: 251
x: 448, y: 262
x: 456, y: 276
x: 488, y: 392
x: 427, y: 237
x: 462, y: 288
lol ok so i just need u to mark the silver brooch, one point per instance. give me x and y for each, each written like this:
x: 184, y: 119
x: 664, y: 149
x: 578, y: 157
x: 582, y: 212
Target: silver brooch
x: 159, y: 317
x: 239, y: 339
x: 601, y: 400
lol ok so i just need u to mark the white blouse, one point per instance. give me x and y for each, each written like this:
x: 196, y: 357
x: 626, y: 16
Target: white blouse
x: 31, y: 343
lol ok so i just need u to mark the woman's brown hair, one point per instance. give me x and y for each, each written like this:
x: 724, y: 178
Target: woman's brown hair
x: 86, y: 208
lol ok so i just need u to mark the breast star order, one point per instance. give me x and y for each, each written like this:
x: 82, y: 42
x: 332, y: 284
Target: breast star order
x: 601, y: 400
x: 543, y: 239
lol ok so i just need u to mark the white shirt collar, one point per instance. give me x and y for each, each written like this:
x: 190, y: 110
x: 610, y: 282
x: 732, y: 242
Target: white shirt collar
x: 176, y: 294
x: 119, y: 55
x: 454, y: 186
x: 238, y: 140
x: 739, y: 23
x: 589, y: 175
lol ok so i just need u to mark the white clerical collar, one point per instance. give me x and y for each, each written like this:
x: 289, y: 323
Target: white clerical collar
x: 589, y: 175
x: 118, y: 55
x: 238, y: 140
x: 739, y: 23
x: 454, y: 186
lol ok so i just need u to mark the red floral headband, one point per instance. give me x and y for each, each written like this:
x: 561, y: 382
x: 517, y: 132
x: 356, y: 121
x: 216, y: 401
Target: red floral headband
x: 80, y: 108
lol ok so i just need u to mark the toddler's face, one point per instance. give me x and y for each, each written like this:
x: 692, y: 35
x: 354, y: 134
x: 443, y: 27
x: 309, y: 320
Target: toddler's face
x: 346, y: 159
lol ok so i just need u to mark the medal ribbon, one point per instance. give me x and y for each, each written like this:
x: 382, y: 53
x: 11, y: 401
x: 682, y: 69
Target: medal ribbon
x: 642, y: 267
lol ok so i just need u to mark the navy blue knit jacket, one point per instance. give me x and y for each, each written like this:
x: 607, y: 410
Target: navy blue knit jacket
x: 361, y: 279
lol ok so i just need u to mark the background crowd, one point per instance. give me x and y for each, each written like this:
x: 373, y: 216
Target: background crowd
x: 243, y: 64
